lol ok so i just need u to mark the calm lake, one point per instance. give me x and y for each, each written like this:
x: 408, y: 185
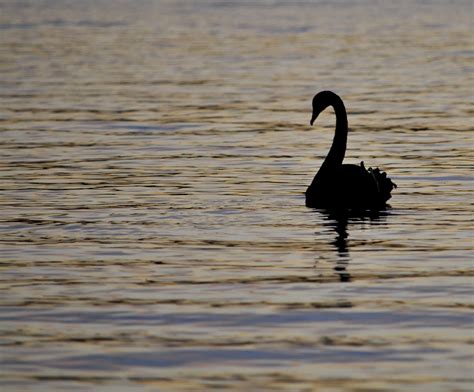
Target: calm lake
x: 153, y: 162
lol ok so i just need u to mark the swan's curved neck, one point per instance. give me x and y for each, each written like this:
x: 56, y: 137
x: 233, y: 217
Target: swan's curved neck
x: 338, y: 148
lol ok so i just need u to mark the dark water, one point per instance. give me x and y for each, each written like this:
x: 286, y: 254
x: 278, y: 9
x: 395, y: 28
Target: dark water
x: 153, y: 160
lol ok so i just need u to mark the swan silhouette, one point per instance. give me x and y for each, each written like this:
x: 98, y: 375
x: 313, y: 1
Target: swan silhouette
x: 343, y: 186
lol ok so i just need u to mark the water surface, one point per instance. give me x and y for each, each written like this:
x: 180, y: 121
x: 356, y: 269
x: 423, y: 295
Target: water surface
x: 153, y: 160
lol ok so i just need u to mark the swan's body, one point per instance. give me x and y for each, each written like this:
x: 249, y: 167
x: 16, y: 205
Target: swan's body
x: 338, y: 185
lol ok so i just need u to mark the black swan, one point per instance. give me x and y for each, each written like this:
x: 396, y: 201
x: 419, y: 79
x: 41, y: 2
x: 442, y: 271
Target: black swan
x: 338, y: 186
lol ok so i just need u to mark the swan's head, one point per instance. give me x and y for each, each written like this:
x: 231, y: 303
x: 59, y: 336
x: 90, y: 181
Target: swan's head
x: 321, y: 101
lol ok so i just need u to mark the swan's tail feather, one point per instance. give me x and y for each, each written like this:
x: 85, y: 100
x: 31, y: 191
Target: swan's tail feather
x: 384, y: 183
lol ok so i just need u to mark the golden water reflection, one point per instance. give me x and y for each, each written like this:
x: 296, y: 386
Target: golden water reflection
x: 153, y: 233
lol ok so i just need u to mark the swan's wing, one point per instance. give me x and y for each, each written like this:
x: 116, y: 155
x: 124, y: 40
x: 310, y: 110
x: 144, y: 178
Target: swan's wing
x: 384, y: 183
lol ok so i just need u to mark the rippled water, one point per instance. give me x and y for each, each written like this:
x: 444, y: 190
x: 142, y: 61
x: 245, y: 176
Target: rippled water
x: 154, y: 156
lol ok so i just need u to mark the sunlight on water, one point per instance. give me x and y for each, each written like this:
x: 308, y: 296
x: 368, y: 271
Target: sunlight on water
x: 154, y: 158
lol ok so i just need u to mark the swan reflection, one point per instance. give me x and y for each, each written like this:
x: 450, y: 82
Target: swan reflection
x: 340, y: 223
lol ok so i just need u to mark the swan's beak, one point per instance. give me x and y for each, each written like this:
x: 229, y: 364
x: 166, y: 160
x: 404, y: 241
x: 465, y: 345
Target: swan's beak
x: 313, y: 118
